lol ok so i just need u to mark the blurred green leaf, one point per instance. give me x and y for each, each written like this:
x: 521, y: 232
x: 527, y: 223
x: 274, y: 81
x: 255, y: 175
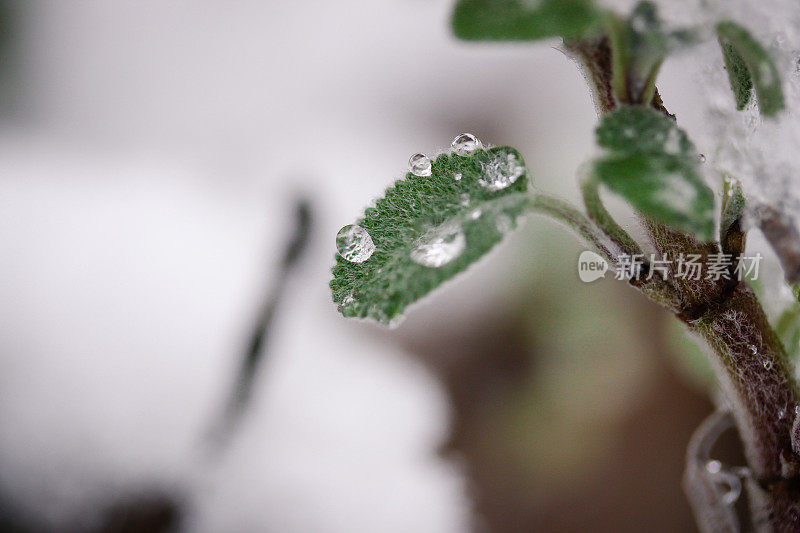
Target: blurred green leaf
x: 521, y: 20
x: 427, y: 229
x: 652, y: 164
x: 739, y: 76
x: 750, y: 66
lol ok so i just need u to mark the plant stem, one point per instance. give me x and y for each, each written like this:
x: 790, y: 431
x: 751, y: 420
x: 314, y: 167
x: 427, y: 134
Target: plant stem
x: 565, y: 213
x: 748, y: 357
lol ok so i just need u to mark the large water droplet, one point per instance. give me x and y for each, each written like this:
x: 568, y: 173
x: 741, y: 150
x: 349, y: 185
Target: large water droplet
x: 354, y: 244
x: 420, y: 165
x: 439, y: 246
x: 465, y: 144
x: 501, y: 172
x: 458, y: 176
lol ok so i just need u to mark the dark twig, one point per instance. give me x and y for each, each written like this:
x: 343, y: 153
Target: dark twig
x: 254, y: 354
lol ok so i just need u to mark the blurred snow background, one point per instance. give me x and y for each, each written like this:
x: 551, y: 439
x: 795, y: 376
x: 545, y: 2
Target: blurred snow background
x: 150, y: 153
x: 149, y: 163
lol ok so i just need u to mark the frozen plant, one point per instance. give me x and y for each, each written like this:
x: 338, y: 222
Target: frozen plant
x: 451, y: 209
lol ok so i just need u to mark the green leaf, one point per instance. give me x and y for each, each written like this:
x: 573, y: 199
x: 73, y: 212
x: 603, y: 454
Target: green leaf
x: 750, y: 66
x: 641, y: 130
x: 427, y: 229
x: 523, y: 20
x: 739, y: 76
x: 652, y: 164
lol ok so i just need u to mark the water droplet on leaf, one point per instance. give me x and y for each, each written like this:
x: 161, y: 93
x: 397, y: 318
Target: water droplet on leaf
x: 458, y: 176
x: 354, y: 244
x: 420, y: 165
x: 439, y: 246
x: 501, y: 172
x: 465, y: 144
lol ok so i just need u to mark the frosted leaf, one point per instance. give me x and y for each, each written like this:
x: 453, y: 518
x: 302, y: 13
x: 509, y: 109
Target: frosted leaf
x: 763, y: 154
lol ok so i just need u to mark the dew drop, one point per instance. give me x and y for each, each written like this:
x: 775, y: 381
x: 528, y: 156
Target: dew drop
x: 767, y: 364
x: 501, y: 172
x: 439, y: 246
x: 465, y: 144
x: 702, y: 158
x: 476, y: 214
x: 420, y: 165
x: 713, y: 466
x: 354, y: 244
x: 458, y: 176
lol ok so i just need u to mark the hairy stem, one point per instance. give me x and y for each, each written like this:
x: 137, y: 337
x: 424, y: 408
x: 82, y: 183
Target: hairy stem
x: 565, y: 213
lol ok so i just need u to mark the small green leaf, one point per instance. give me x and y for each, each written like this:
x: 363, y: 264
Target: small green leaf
x: 653, y: 165
x: 739, y: 76
x: 750, y: 66
x: 523, y: 20
x: 427, y: 229
x: 641, y: 130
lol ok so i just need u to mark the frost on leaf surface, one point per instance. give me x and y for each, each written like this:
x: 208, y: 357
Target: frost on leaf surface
x: 651, y: 162
x: 428, y: 228
x: 761, y: 152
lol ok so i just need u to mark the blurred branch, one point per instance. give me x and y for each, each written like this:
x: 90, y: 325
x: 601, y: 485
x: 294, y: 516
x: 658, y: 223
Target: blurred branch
x: 253, y: 357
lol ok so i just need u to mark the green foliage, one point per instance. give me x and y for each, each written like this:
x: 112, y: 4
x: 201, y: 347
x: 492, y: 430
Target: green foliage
x: 418, y: 214
x: 741, y: 82
x: 750, y: 66
x: 520, y: 20
x: 651, y: 163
